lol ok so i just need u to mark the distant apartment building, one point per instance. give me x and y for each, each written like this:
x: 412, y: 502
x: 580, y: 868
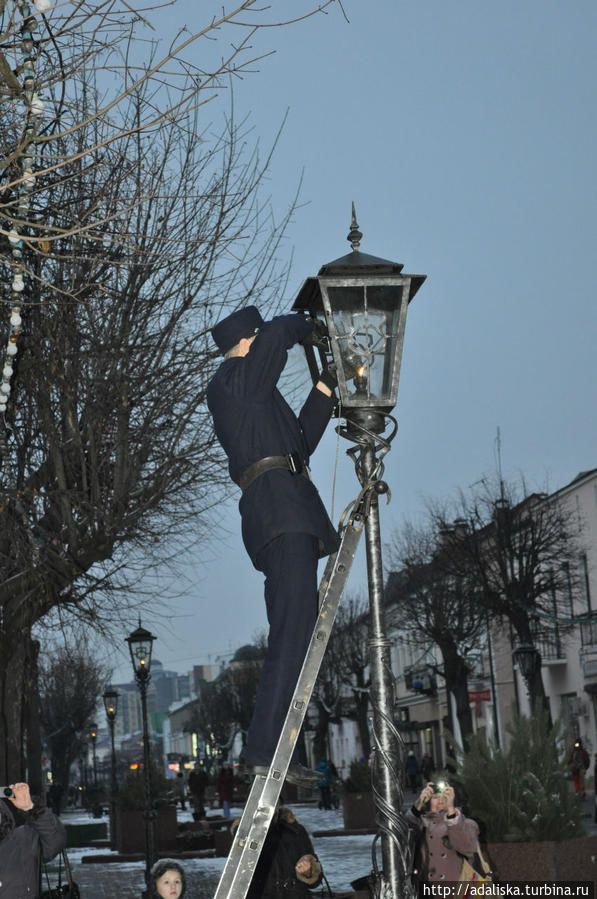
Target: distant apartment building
x: 496, y: 685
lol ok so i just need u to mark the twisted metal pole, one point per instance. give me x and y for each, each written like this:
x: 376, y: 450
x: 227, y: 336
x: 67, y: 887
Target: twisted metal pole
x: 394, y: 882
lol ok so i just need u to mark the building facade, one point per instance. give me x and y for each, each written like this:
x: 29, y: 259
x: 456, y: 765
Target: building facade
x: 425, y: 712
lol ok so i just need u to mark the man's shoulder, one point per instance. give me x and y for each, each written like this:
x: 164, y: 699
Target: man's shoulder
x: 220, y: 379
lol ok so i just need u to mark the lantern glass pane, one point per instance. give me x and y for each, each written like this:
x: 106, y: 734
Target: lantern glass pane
x: 369, y: 333
x: 142, y: 654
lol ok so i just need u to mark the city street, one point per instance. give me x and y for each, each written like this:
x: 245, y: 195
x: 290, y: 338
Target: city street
x: 344, y: 858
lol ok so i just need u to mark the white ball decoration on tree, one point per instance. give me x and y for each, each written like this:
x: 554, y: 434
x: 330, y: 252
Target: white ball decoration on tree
x: 37, y: 106
x: 42, y: 5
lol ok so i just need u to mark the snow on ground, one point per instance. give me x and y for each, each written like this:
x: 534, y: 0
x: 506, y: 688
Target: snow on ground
x: 344, y: 858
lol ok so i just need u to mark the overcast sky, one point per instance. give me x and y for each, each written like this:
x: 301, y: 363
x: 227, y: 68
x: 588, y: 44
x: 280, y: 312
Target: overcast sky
x: 465, y: 133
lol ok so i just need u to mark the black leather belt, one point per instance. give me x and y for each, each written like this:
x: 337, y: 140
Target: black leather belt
x: 292, y: 462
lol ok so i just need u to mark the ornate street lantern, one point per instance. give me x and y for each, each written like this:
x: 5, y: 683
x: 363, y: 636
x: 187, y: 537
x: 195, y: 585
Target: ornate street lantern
x: 364, y: 300
x: 527, y: 657
x: 110, y: 698
x: 140, y: 645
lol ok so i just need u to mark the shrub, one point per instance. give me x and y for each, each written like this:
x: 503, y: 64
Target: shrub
x: 520, y: 795
x: 359, y: 779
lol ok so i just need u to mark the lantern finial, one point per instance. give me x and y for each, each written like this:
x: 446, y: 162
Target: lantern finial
x: 354, y: 235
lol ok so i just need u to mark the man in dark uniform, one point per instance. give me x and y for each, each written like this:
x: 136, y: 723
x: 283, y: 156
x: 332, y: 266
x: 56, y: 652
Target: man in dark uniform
x: 285, y: 526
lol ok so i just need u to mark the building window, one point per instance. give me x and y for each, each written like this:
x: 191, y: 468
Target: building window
x: 584, y: 581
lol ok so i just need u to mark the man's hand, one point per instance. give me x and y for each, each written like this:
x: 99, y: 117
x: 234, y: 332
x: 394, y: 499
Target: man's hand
x: 319, y: 335
x: 22, y: 797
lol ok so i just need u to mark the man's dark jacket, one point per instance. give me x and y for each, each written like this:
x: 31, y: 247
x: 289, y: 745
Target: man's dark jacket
x: 252, y: 420
x: 41, y: 836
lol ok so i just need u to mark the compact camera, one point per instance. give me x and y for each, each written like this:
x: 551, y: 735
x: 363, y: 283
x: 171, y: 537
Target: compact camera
x: 6, y: 792
x: 440, y: 787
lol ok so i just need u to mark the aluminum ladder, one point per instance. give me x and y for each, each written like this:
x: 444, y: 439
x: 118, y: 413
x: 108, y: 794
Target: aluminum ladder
x: 265, y: 791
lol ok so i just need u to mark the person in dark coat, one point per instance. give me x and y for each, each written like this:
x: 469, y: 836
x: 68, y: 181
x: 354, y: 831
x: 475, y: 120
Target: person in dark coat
x: 285, y: 526
x: 29, y: 834
x: 579, y: 762
x: 226, y: 787
x: 412, y: 771
x: 287, y: 865
x: 198, y: 781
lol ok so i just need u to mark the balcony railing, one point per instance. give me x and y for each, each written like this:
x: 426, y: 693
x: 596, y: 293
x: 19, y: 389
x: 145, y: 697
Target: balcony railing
x: 588, y: 631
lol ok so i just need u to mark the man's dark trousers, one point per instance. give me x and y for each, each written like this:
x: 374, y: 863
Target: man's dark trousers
x: 289, y: 563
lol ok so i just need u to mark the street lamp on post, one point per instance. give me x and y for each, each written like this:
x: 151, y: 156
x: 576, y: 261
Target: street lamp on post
x: 93, y: 738
x: 140, y: 646
x: 364, y: 301
x: 111, y: 706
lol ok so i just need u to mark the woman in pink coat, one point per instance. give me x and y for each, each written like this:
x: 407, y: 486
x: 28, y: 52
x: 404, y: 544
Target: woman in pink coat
x: 444, y: 835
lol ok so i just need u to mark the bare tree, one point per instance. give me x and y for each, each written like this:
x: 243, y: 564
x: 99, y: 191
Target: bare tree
x: 132, y: 226
x: 345, y: 667
x: 240, y: 682
x: 70, y: 683
x: 517, y: 552
x: 434, y: 605
x: 212, y: 717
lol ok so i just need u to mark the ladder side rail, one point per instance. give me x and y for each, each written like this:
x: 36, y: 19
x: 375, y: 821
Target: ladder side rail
x: 265, y: 792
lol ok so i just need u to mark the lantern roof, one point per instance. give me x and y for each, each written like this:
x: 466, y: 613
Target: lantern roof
x: 357, y: 262
x: 354, y: 265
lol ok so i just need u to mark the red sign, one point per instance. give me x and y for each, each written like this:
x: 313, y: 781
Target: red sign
x: 479, y: 696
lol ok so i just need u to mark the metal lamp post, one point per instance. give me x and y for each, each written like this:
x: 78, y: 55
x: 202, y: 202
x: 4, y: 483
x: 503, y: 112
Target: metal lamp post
x: 140, y: 645
x: 364, y: 301
x: 110, y: 698
x: 93, y: 738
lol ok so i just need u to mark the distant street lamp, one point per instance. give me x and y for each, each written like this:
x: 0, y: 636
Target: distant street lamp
x: 527, y: 656
x: 140, y: 645
x: 111, y: 706
x: 93, y: 738
x: 364, y: 300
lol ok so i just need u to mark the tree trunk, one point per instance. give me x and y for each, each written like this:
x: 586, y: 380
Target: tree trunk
x: 456, y: 676
x: 31, y: 718
x: 20, y: 745
x: 361, y: 700
x: 320, y: 748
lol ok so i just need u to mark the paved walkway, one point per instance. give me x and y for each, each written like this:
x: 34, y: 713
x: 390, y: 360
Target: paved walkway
x: 126, y: 880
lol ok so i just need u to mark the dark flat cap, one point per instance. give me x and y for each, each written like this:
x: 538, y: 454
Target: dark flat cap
x: 242, y: 323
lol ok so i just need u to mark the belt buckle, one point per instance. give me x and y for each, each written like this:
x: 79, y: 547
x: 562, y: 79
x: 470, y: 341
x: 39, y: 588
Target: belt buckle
x: 294, y: 462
